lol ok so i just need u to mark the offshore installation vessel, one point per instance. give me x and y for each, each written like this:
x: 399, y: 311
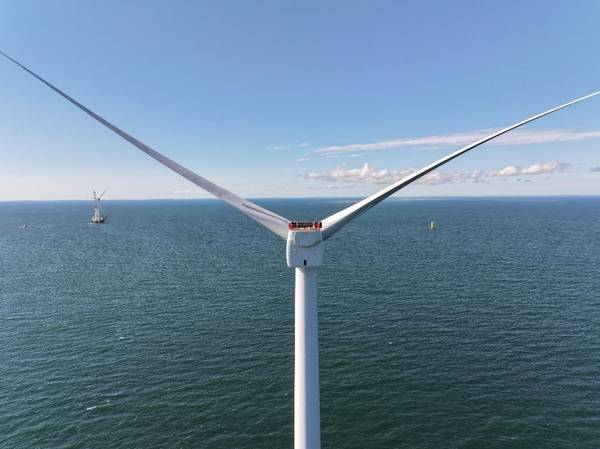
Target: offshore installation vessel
x: 97, y: 216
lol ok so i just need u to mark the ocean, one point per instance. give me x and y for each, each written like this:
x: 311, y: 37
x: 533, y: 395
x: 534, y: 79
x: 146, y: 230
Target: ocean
x: 171, y: 326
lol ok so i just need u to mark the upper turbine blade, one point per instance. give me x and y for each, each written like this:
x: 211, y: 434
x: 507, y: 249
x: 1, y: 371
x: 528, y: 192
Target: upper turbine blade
x: 270, y: 220
x: 335, y: 222
x: 102, y: 194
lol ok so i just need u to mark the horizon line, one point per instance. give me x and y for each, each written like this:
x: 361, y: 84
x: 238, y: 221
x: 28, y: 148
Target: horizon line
x: 423, y: 197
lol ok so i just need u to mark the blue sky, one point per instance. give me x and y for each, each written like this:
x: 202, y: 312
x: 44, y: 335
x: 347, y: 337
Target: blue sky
x: 254, y: 95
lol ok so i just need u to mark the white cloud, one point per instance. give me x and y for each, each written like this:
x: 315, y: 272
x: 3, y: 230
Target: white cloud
x: 509, y: 170
x: 334, y: 187
x: 531, y: 170
x: 595, y: 169
x: 287, y: 147
x: 278, y: 148
x: 372, y: 175
x: 517, y: 137
x: 440, y: 177
x: 342, y: 155
x: 302, y: 159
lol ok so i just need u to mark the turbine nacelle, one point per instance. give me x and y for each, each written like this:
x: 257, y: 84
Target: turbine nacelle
x: 304, y: 245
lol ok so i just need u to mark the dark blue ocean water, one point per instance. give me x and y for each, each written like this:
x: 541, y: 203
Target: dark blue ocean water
x: 171, y: 326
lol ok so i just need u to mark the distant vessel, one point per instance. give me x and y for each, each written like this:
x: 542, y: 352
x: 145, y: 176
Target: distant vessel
x: 433, y: 225
x: 97, y: 216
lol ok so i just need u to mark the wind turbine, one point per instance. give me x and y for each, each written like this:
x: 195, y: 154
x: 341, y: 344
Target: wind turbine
x: 97, y: 216
x: 304, y: 253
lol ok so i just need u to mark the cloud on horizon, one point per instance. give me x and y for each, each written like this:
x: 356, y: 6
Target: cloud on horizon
x: 372, y: 175
x: 517, y: 137
x: 532, y: 170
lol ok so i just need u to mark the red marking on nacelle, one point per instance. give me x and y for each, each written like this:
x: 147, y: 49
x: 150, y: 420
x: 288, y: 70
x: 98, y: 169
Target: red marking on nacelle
x: 305, y: 225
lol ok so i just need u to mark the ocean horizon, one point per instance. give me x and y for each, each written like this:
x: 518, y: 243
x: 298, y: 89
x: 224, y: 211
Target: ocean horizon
x: 324, y: 198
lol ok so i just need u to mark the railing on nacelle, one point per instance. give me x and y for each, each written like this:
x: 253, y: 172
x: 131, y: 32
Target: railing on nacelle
x: 305, y: 225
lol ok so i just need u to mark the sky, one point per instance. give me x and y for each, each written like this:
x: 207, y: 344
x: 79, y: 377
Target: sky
x: 298, y: 99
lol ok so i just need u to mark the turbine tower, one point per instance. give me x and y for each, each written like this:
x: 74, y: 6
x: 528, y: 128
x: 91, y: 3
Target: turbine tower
x: 304, y: 253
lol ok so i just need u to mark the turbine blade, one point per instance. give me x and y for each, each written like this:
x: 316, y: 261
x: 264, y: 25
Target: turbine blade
x: 335, y: 222
x: 102, y: 194
x: 270, y: 220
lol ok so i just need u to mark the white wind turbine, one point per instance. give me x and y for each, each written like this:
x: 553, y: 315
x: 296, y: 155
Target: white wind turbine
x: 304, y: 252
